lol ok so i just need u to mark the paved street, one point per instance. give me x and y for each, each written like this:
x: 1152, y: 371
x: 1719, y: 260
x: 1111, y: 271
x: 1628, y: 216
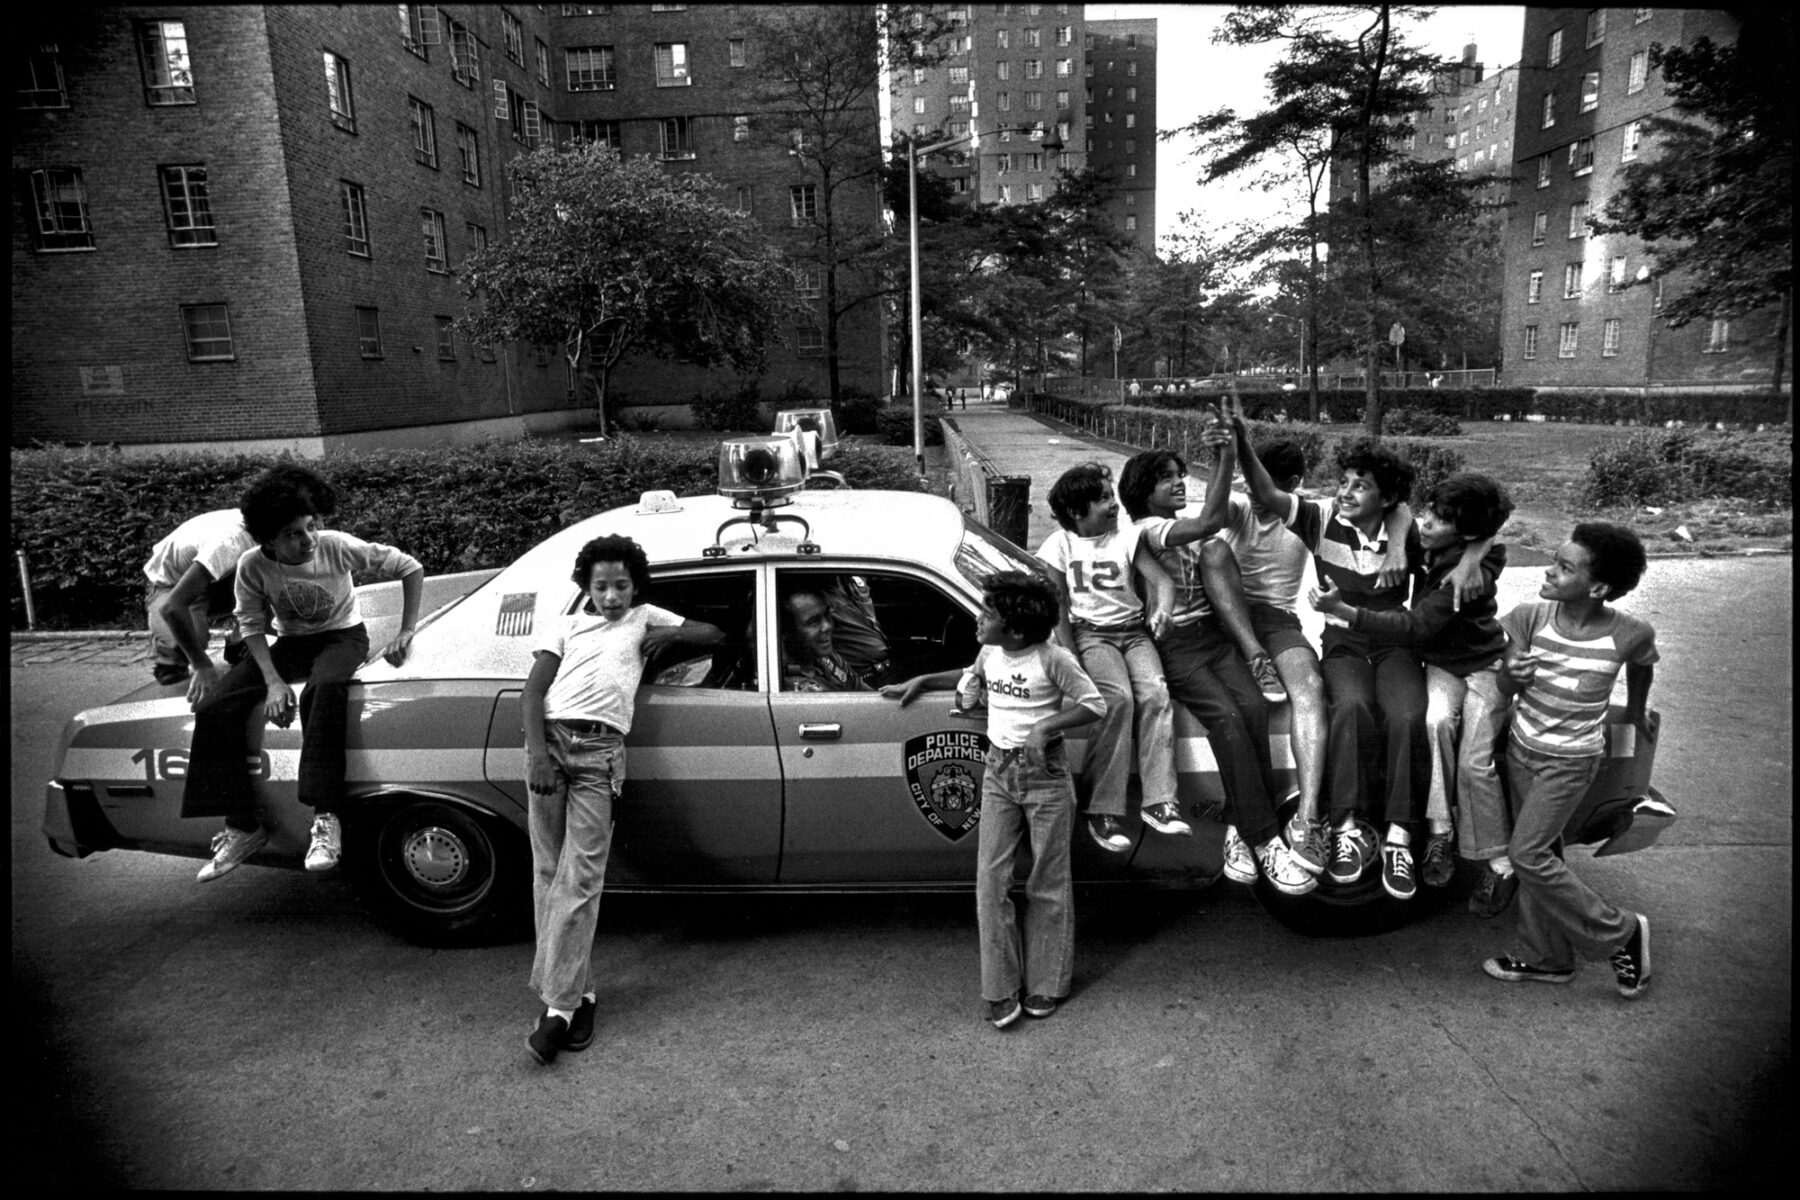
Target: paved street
x: 262, y: 1032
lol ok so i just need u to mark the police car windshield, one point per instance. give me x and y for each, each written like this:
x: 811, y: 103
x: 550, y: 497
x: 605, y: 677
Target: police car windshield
x: 984, y: 554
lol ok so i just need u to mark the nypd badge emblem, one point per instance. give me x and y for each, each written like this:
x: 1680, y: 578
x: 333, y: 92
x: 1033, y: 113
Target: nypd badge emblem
x: 943, y: 773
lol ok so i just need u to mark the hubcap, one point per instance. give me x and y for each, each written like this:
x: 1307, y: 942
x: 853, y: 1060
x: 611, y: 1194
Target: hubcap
x: 435, y: 857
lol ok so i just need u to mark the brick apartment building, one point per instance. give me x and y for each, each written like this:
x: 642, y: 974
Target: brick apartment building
x: 238, y: 226
x: 1121, y: 120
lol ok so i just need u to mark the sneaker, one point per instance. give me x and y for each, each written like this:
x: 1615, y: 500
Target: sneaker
x: 1351, y: 855
x: 550, y: 1036
x: 230, y: 848
x: 1439, y: 867
x: 1511, y: 970
x: 1240, y: 866
x: 1493, y: 893
x: 1631, y: 962
x: 168, y: 675
x: 1283, y: 870
x: 1110, y: 833
x: 327, y: 843
x: 581, y: 1027
x: 1039, y: 1006
x: 1397, y: 871
x: 1268, y: 679
x: 1001, y: 1013
x: 1306, y: 842
x: 1166, y: 818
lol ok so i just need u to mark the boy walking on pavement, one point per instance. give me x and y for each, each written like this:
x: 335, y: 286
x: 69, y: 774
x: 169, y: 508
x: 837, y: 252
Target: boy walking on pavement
x: 1093, y: 561
x: 1202, y: 665
x: 1563, y: 656
x: 1033, y: 691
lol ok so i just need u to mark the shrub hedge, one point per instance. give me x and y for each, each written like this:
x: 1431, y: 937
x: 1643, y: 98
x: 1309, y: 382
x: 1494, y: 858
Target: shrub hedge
x: 1731, y: 409
x: 1678, y: 465
x: 87, y: 518
x: 1346, y: 404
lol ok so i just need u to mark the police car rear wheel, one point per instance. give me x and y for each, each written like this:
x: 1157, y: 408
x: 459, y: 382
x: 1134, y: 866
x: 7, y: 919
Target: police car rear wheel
x: 439, y: 874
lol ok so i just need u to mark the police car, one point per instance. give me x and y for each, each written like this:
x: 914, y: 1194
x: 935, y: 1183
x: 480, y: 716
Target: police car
x: 734, y: 782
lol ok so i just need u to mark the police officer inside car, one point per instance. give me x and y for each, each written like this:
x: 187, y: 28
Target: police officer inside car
x: 809, y: 663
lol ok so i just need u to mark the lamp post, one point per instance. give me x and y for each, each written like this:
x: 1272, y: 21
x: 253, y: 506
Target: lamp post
x: 1052, y: 145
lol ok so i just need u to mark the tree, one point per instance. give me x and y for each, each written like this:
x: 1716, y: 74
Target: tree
x: 607, y: 256
x: 1715, y: 208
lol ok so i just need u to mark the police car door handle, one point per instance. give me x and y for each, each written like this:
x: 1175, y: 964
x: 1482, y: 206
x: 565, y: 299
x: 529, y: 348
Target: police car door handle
x: 822, y: 731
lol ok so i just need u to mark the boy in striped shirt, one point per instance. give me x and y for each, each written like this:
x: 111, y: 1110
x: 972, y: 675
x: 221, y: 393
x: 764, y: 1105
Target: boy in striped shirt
x: 1562, y: 658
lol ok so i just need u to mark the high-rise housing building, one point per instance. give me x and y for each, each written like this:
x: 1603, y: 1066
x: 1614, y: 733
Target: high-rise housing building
x: 240, y: 225
x: 1586, y: 92
x: 1120, y: 124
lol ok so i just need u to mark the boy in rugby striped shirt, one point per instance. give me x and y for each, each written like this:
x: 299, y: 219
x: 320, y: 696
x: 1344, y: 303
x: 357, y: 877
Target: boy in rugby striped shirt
x: 1562, y: 658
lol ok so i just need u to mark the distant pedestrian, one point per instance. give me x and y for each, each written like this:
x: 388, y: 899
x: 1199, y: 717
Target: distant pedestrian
x: 1132, y: 389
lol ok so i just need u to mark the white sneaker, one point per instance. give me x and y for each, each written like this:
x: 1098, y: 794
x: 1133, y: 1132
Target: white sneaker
x: 1240, y: 867
x: 1284, y: 869
x: 327, y: 843
x: 230, y: 848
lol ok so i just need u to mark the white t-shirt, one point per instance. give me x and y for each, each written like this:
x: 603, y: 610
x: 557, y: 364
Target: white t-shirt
x: 1271, y: 557
x: 602, y: 664
x: 1102, y: 589
x: 316, y: 596
x: 1025, y: 686
x: 215, y: 540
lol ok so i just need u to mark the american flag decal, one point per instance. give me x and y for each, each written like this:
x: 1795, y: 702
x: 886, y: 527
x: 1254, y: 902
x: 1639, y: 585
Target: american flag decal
x: 515, y: 614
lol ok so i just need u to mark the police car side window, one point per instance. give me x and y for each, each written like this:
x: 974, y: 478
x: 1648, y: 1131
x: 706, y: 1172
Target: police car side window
x: 911, y: 623
x: 722, y: 598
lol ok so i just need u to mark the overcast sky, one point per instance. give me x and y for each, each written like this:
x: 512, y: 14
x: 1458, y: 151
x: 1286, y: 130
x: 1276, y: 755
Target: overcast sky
x: 1195, y: 76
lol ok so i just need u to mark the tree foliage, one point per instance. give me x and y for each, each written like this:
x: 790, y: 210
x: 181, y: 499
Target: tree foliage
x: 607, y: 256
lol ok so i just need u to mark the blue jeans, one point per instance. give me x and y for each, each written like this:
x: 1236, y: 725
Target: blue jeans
x: 1559, y: 917
x: 1019, y: 802
x: 571, y: 835
x: 218, y: 783
x: 1463, y: 768
x: 1124, y: 665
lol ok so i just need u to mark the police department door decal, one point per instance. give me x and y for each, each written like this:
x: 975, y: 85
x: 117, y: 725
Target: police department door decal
x: 943, y: 773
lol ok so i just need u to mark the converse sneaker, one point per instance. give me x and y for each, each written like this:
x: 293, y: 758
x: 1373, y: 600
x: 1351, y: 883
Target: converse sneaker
x: 1306, y: 842
x: 1240, y: 866
x: 327, y: 843
x: 1351, y: 854
x: 1493, y: 893
x: 1512, y: 970
x: 1039, y: 1006
x: 230, y: 848
x: 1283, y: 870
x: 1439, y: 865
x: 1397, y: 871
x: 1001, y: 1013
x: 1268, y: 679
x: 1109, y: 833
x: 550, y: 1036
x: 1631, y: 962
x: 1166, y: 818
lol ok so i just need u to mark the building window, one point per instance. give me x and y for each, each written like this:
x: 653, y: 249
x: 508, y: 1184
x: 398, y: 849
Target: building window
x: 1034, y: 100
x: 675, y: 142
x: 1568, y: 336
x: 958, y: 128
x: 1130, y: 222
x: 1034, y: 192
x: 1034, y: 38
x: 1554, y: 57
x: 1540, y: 227
x: 424, y: 132
x: 60, y: 202
x: 187, y: 208
x: 1131, y: 69
x: 811, y: 284
x: 337, y: 91
x: 803, y: 199
x: 437, y: 253
x: 168, y: 72
x: 1615, y: 274
x: 1609, y: 338
x: 1034, y: 68
x: 1131, y: 120
x: 418, y: 28
x: 368, y: 332
x: 477, y: 238
x: 1656, y: 298
x: 1002, y: 39
x: 1581, y: 156
x: 1006, y: 193
x: 740, y: 128
x: 1596, y: 26
x: 356, y: 218
x: 1002, y: 163
x: 208, y: 329
x: 1034, y: 162
x: 918, y: 75
x: 1640, y: 72
x: 1590, y: 91
x: 543, y: 62
x: 590, y: 68
x: 1131, y: 95
x: 745, y: 198
x: 1062, y: 99
x: 1634, y: 137
x: 1578, y: 214
x: 1131, y: 170
x: 41, y: 79
x: 1543, y: 179
x: 1531, y: 341
x: 1064, y: 68
x: 672, y: 64
x: 809, y: 340
x: 959, y: 104
x: 523, y: 115
x: 1130, y: 199
x: 1572, y: 281
x: 1131, y: 145
x: 465, y: 54
x: 606, y: 133
x: 959, y: 76
x: 735, y: 47
x: 1718, y: 336
x: 468, y: 154
x: 1549, y: 109
x: 513, y: 34
x: 1003, y: 70
x: 918, y: 105
x: 1065, y: 35
x: 1534, y: 288
x: 446, y: 340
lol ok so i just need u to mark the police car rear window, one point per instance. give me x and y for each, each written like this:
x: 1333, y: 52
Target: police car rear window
x: 984, y: 554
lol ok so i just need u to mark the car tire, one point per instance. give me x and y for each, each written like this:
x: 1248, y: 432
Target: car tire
x: 439, y: 874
